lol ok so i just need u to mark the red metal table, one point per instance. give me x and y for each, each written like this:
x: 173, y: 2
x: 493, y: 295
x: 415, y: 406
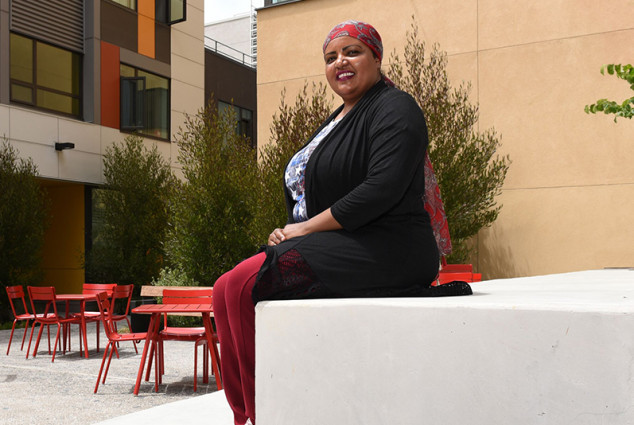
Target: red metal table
x: 206, y: 310
x: 82, y: 298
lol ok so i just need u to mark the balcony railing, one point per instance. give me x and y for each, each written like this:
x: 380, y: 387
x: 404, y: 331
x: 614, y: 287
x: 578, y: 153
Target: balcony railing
x: 228, y: 51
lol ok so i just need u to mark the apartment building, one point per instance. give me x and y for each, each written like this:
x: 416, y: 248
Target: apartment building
x: 77, y: 76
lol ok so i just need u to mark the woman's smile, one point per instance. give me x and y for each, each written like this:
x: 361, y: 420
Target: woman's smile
x: 344, y: 75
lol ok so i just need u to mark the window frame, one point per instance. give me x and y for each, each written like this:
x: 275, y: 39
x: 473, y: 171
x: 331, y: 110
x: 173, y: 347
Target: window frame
x: 164, y: 16
x: 138, y: 107
x: 144, y: 109
x: 241, y: 123
x: 134, y: 9
x: 35, y: 87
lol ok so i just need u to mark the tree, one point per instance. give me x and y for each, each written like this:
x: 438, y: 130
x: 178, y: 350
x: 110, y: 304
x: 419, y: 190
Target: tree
x: 137, y: 186
x: 212, y: 210
x: 292, y: 127
x: 24, y: 212
x: 469, y: 175
x: 624, y: 109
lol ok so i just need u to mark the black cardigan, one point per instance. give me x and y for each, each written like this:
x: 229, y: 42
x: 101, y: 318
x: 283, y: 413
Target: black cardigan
x: 369, y: 171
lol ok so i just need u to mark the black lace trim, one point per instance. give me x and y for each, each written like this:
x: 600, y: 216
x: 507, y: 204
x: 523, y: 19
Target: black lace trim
x: 289, y: 278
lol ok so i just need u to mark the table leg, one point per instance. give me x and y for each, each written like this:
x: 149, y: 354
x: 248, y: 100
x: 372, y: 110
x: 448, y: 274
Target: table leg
x: 65, y: 331
x: 209, y: 333
x: 82, y: 309
x: 152, y: 334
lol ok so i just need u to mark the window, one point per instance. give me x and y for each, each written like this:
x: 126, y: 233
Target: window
x: 130, y: 4
x: 45, y: 76
x: 171, y: 11
x: 144, y: 102
x: 244, y: 118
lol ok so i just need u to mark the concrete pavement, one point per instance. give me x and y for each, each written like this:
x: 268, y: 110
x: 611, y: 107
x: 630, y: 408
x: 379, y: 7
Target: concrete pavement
x: 38, y: 391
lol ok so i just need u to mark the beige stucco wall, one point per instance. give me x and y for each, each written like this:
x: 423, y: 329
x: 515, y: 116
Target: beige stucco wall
x: 188, y: 72
x: 569, y: 194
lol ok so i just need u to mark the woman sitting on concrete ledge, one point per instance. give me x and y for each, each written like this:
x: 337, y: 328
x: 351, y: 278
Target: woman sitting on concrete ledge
x: 357, y: 223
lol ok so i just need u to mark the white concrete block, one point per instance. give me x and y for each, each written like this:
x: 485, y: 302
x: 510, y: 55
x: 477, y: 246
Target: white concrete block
x: 542, y: 350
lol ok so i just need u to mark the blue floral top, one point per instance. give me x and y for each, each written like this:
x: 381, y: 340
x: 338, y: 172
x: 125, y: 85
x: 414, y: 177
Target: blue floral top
x: 296, y: 169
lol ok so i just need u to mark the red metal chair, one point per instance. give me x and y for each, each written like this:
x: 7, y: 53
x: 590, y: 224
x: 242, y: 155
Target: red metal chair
x: 105, y: 309
x: 193, y: 334
x: 16, y: 293
x: 46, y: 295
x: 123, y: 293
x: 95, y: 316
x: 450, y: 272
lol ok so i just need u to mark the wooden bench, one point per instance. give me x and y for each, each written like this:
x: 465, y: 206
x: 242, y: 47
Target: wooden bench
x: 157, y: 291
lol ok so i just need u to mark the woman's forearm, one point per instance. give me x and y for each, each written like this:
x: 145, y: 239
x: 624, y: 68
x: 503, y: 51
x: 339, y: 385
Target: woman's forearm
x: 322, y: 222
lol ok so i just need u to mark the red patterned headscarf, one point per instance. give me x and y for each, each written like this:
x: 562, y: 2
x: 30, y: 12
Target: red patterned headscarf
x: 359, y: 30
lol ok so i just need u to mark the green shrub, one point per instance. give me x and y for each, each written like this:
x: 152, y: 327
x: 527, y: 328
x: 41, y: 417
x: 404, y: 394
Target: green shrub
x: 24, y: 217
x: 212, y: 210
x: 138, y: 183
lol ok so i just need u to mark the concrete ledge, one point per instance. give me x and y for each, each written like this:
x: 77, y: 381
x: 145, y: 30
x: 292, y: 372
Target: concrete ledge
x: 555, y: 349
x: 209, y: 408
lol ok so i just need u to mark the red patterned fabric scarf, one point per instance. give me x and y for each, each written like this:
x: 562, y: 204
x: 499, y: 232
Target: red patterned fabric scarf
x: 433, y: 203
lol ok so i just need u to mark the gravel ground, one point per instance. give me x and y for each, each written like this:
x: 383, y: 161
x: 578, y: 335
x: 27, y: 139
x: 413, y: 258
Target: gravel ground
x: 39, y: 391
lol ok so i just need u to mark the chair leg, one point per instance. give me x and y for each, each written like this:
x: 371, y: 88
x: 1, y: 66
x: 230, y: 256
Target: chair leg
x: 37, y: 341
x: 30, y: 339
x: 103, y: 360
x: 48, y: 333
x: 56, y: 342
x: 130, y: 327
x: 64, y: 337
x: 11, y: 337
x: 97, y: 322
x: 195, y: 366
x: 162, y: 357
x: 108, y: 365
x: 157, y: 373
x: 26, y: 328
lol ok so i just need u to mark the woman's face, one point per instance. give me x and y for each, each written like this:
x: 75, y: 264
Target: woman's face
x: 351, y: 68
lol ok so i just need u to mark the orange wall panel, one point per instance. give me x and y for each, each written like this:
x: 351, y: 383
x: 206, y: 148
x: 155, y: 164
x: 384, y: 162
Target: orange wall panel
x: 146, y: 28
x: 64, y: 239
x: 109, y: 85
